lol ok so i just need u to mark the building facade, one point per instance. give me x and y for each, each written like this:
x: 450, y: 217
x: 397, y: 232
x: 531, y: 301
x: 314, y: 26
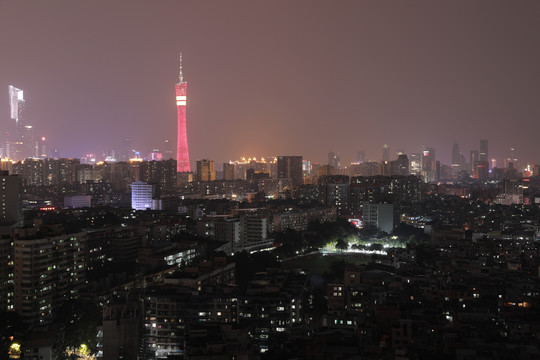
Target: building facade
x: 205, y: 170
x: 10, y: 198
x: 379, y: 215
x: 47, y: 272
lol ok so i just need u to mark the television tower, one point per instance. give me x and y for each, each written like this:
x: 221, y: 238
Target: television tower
x: 182, y: 151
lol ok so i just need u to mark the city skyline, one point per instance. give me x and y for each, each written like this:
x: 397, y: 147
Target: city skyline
x: 277, y: 79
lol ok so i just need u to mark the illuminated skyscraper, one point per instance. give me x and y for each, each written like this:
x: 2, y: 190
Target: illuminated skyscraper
x: 415, y: 163
x: 20, y: 141
x: 182, y: 152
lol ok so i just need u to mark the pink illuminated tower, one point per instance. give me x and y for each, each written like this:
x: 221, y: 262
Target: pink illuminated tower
x: 182, y: 152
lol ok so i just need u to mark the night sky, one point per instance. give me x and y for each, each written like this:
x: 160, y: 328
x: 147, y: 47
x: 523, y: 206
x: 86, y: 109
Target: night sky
x: 278, y: 77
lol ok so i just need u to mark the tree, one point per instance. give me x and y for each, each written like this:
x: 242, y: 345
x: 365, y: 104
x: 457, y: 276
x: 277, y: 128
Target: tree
x: 368, y: 231
x: 341, y: 244
x: 80, y: 318
x: 376, y: 247
x: 12, y: 328
x: 290, y: 241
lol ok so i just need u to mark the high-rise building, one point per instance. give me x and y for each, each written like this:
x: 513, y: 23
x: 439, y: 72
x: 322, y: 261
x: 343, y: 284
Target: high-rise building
x: 415, y: 163
x: 484, y: 155
x: 167, y: 151
x: 182, y: 151
x: 429, y: 164
x: 6, y: 271
x: 290, y: 167
x: 160, y: 172
x: 306, y: 168
x: 20, y: 144
x: 32, y: 171
x: 512, y: 159
x: 360, y: 156
x: 334, y: 192
x: 50, y: 268
x: 385, y: 153
x: 41, y: 148
x: 228, y: 171
x: 205, y: 170
x: 125, y: 154
x: 10, y: 198
x: 482, y: 166
x: 334, y: 160
x: 402, y: 165
x: 473, y: 162
x: 455, y: 159
x: 60, y: 171
x: 379, y: 215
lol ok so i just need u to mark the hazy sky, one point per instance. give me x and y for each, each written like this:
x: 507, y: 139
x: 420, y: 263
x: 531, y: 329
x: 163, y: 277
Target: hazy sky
x: 278, y: 77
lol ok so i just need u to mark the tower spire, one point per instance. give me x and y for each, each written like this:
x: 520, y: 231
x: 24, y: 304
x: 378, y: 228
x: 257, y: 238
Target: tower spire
x: 180, y: 76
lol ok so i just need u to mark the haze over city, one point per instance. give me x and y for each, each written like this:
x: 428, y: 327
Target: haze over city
x: 266, y: 180
x: 280, y: 77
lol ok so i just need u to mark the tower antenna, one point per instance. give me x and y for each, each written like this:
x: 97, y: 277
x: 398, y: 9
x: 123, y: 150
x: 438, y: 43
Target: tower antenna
x: 180, y: 76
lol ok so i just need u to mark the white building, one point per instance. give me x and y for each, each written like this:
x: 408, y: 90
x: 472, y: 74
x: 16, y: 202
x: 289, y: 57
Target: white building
x: 142, y: 194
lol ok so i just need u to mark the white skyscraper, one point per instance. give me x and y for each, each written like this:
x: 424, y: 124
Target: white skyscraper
x: 20, y: 135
